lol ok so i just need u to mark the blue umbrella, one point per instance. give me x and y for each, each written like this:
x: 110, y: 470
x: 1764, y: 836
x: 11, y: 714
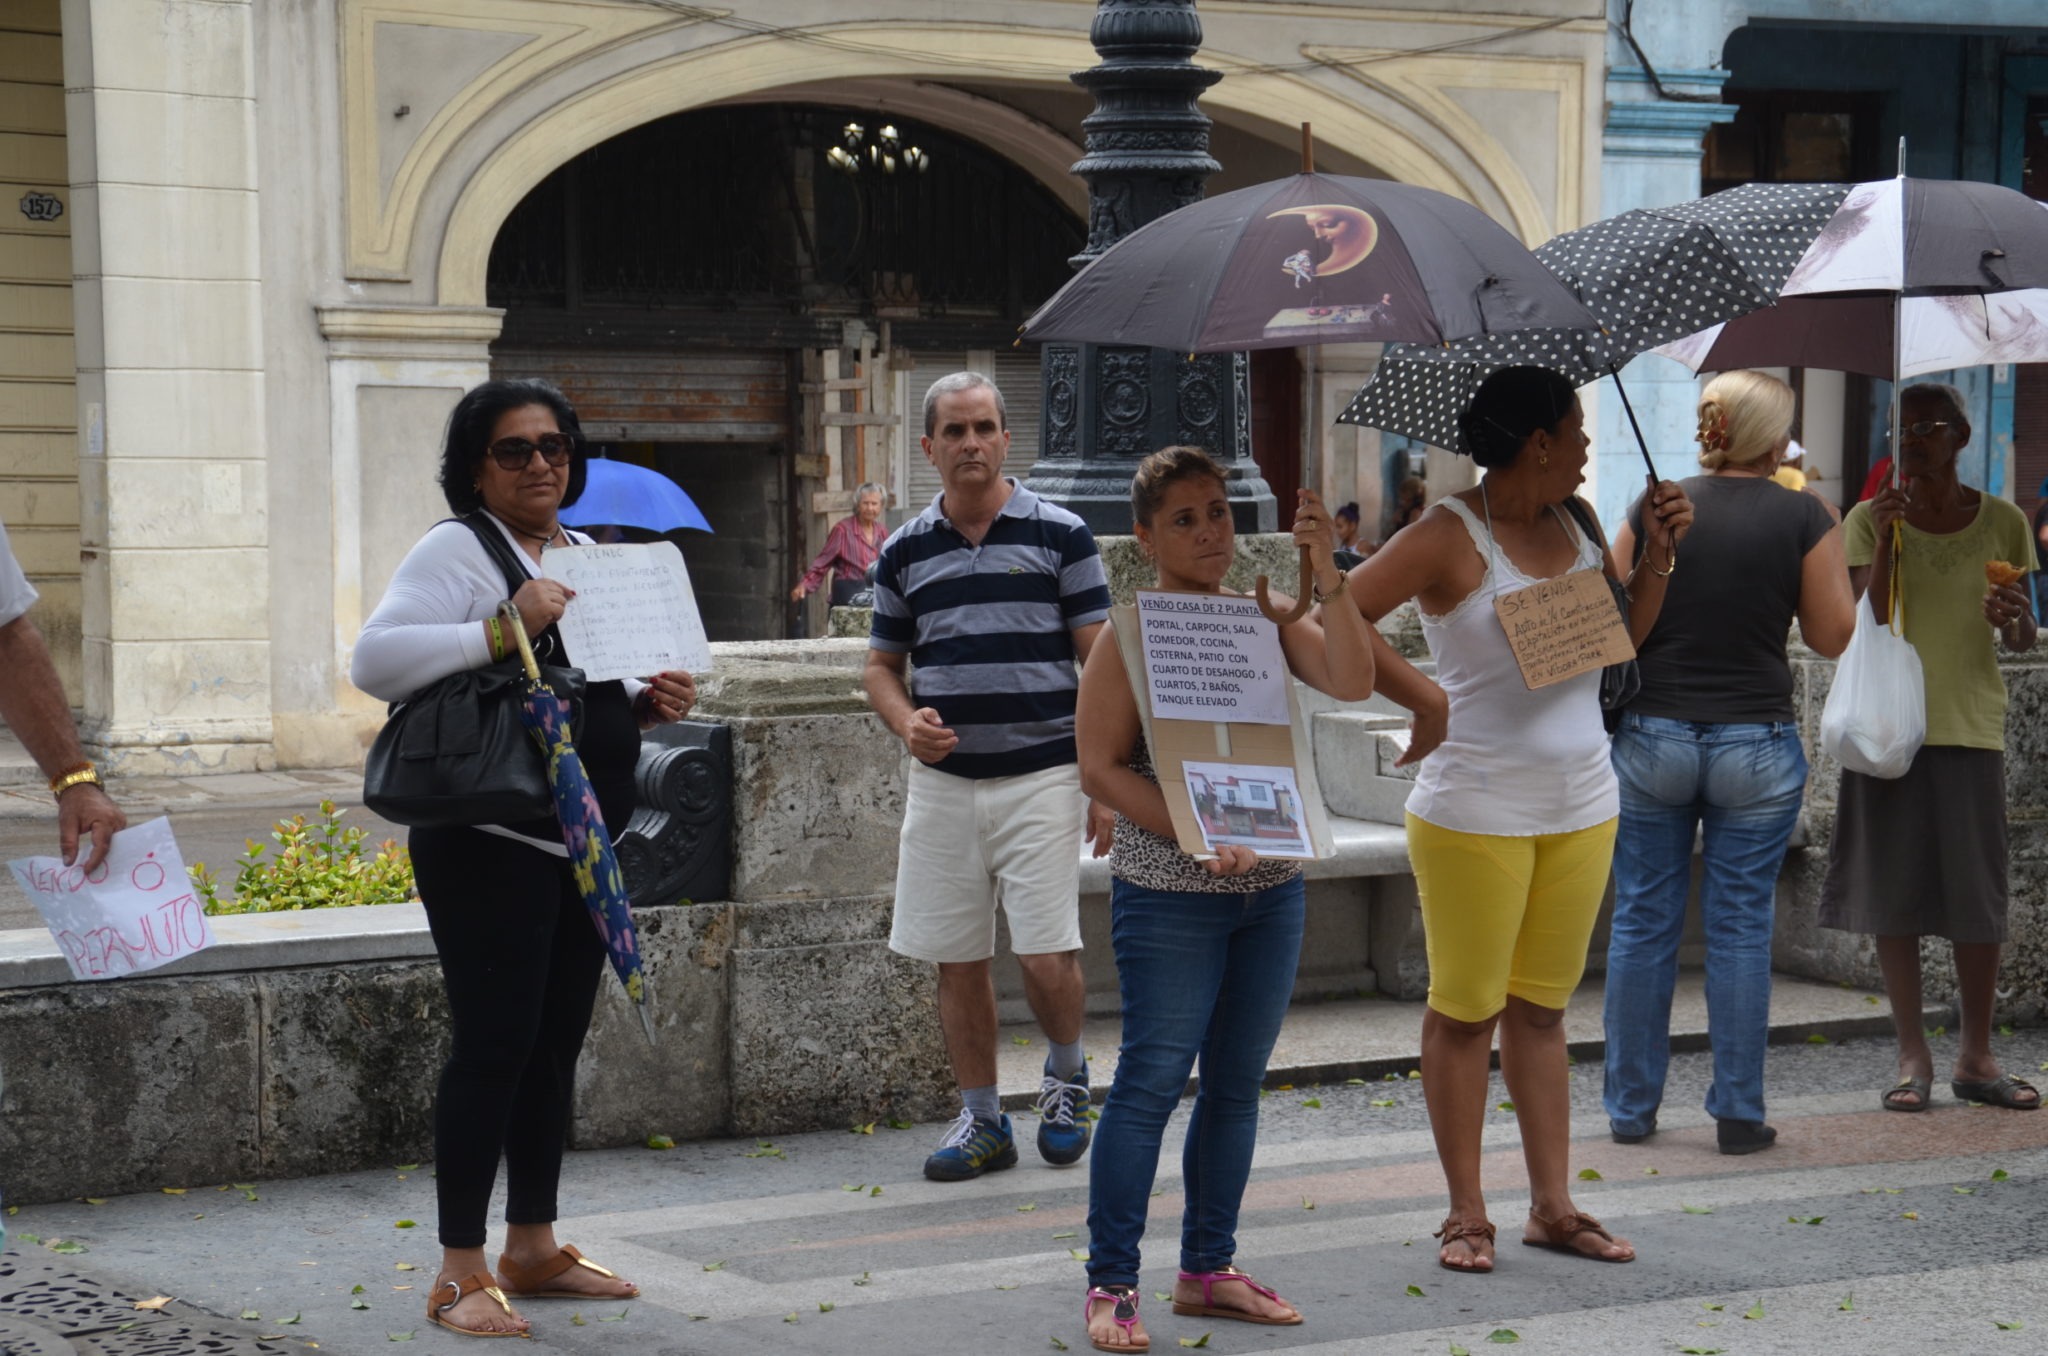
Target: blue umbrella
x: 620, y: 494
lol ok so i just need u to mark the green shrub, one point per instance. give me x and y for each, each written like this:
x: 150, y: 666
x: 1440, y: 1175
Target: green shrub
x: 316, y: 866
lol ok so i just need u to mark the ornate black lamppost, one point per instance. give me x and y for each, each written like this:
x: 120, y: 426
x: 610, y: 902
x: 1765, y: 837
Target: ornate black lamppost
x: 1106, y: 406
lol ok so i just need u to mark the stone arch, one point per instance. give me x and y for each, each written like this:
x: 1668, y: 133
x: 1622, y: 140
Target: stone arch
x: 461, y: 214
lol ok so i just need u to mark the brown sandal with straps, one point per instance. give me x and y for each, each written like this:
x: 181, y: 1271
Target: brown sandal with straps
x: 1454, y: 1229
x: 1558, y: 1235
x: 532, y: 1282
x: 464, y: 1288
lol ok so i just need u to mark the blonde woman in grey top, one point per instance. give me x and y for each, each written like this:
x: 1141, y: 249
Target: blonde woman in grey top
x: 1205, y: 949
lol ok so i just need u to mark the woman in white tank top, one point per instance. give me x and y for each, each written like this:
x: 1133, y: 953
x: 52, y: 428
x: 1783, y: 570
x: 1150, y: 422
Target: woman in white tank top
x: 1511, y: 823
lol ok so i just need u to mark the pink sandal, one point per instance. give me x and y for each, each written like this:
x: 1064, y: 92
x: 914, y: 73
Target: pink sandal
x: 1124, y: 1315
x: 1208, y: 1309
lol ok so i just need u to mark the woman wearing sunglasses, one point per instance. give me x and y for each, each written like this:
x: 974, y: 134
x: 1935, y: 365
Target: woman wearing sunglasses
x: 519, y: 957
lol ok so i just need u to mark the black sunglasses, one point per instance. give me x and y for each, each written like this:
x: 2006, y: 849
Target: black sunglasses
x: 512, y: 454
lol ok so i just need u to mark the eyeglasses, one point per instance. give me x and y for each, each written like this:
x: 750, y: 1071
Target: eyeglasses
x: 1921, y: 428
x: 512, y: 454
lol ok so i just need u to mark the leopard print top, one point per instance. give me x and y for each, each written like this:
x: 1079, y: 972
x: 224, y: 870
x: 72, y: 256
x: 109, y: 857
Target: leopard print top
x: 1144, y: 859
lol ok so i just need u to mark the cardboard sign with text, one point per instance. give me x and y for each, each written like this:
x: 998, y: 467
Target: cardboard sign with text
x: 1560, y: 628
x: 136, y: 911
x: 1216, y: 703
x: 634, y: 614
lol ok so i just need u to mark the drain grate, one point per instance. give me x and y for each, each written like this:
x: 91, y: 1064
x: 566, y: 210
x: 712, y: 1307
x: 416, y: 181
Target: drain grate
x: 48, y: 1311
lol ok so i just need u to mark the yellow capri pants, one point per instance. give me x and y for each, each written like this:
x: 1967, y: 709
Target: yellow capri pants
x: 1507, y: 915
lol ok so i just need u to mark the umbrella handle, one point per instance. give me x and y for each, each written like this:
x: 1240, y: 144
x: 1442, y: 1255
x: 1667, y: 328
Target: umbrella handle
x: 509, y: 614
x: 1302, y: 597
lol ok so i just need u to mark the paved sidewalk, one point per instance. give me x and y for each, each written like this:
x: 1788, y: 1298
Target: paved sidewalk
x: 1863, y: 1233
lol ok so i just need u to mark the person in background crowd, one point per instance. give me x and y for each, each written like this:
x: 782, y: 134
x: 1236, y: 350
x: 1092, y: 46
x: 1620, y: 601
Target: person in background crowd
x: 1926, y: 855
x: 1205, y: 949
x: 34, y: 707
x: 520, y: 958
x: 1710, y: 745
x: 993, y: 595
x: 1511, y: 823
x: 1346, y: 519
x: 850, y: 548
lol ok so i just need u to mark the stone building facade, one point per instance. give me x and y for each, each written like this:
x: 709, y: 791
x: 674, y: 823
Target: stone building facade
x: 287, y: 243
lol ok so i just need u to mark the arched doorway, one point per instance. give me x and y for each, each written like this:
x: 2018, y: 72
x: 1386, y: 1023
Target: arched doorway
x: 690, y: 282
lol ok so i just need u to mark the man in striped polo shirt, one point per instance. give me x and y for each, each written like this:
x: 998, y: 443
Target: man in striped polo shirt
x: 995, y: 596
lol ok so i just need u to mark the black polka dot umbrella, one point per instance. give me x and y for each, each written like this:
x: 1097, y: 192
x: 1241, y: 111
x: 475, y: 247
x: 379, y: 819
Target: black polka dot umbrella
x: 1649, y: 276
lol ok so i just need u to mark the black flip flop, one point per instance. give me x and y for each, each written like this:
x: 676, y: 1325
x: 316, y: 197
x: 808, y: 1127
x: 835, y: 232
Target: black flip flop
x: 2001, y: 1091
x: 1921, y: 1087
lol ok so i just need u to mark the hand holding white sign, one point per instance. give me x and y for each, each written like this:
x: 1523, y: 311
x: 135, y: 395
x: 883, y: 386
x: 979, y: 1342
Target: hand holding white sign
x: 132, y: 913
x: 633, y: 614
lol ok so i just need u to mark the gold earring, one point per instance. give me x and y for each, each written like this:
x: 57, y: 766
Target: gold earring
x: 1543, y: 459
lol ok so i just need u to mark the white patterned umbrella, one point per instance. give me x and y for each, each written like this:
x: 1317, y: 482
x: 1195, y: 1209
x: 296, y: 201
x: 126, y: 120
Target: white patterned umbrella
x: 1650, y: 276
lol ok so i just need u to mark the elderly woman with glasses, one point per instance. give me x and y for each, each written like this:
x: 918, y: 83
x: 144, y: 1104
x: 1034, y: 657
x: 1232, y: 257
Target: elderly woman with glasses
x: 519, y: 955
x: 1926, y: 855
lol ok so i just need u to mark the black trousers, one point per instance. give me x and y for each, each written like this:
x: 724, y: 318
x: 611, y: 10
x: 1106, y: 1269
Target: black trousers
x: 522, y: 961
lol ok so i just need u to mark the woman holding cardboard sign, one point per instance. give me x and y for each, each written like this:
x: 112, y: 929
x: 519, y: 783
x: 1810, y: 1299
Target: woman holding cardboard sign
x: 519, y: 957
x: 1205, y: 948
x: 1511, y: 824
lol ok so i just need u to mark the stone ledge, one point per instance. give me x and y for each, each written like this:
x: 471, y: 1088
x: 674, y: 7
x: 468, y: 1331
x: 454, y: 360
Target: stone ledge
x: 30, y: 958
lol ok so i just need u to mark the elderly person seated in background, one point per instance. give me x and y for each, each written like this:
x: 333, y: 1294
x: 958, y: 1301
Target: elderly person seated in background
x: 1711, y: 744
x: 1926, y: 855
x: 850, y: 548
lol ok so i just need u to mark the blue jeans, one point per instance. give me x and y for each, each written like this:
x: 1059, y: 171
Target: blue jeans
x: 1204, y: 977
x: 1741, y: 786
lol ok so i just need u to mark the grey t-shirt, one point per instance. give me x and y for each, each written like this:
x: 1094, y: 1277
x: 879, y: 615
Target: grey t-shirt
x: 1717, y: 652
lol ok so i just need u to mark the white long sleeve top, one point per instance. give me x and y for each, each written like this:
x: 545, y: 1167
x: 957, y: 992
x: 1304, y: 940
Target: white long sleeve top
x: 426, y: 627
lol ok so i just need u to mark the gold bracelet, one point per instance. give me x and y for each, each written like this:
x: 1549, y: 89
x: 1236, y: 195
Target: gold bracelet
x: 78, y: 776
x: 1670, y: 569
x: 1315, y: 588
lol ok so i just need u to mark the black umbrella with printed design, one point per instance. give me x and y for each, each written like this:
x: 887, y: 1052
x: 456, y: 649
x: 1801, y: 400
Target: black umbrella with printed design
x: 1648, y: 276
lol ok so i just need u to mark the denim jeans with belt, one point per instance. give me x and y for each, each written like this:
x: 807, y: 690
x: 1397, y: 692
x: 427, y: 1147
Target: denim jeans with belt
x: 1204, y: 977
x: 1740, y: 786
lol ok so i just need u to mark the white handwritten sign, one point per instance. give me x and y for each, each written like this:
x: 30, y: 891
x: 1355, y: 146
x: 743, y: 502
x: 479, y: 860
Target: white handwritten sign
x: 633, y: 615
x: 1561, y: 628
x: 1211, y: 656
x: 136, y: 910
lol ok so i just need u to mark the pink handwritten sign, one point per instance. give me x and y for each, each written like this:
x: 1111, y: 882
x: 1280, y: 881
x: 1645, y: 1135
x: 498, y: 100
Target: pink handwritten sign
x: 136, y: 910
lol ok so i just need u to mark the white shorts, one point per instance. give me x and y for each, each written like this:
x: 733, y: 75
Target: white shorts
x: 970, y: 844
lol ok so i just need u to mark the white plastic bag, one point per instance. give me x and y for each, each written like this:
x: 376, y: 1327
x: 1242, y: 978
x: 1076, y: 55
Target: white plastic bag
x: 1876, y: 715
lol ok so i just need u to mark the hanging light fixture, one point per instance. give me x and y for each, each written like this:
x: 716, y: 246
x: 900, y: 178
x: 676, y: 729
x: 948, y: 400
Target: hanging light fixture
x: 886, y: 153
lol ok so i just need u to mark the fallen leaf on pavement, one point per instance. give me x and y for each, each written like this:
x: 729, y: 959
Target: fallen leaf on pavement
x: 154, y: 1305
x: 825, y: 1306
x: 1313, y: 1103
x: 1027, y: 1207
x: 1414, y: 1292
x: 2013, y: 1326
x: 1057, y: 1345
x: 660, y: 1142
x: 1201, y: 1341
x: 1696, y: 1209
x: 714, y: 1266
x: 576, y: 1320
x: 1504, y: 1336
x: 1069, y: 1234
x: 406, y: 1224
x: 2000, y: 1175
x: 1078, y: 1254
x: 250, y: 1315
x: 404, y: 1266
x: 399, y: 1336
x: 1848, y: 1304
x: 173, y: 1191
x: 1754, y: 1311
x: 1590, y: 1175
x: 1910, y: 1214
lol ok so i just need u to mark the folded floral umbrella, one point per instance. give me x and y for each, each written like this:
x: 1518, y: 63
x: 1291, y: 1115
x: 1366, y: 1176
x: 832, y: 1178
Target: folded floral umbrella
x: 591, y: 861
x: 1311, y: 259
x: 1647, y: 276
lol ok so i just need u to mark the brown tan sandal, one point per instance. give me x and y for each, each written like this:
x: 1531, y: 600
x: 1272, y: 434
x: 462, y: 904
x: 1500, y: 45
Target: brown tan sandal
x: 1454, y: 1229
x: 1558, y: 1235
x: 531, y: 1282
x: 463, y: 1289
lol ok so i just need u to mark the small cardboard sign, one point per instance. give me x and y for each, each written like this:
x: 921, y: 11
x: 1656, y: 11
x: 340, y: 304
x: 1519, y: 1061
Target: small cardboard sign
x: 136, y: 911
x: 634, y: 614
x: 1211, y: 656
x: 1560, y: 628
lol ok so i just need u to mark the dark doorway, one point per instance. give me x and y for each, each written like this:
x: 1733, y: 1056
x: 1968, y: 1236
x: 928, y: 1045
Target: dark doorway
x: 1276, y: 424
x: 743, y: 490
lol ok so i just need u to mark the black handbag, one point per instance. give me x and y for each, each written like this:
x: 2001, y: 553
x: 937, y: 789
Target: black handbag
x: 1619, y: 683
x: 456, y: 751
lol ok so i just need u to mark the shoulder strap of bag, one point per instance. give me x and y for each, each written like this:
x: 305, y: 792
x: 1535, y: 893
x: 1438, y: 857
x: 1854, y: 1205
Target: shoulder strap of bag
x: 495, y: 547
